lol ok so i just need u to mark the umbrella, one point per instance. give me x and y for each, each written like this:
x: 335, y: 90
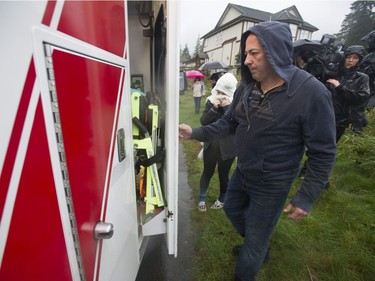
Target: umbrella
x: 213, y: 65
x: 306, y: 47
x: 215, y: 76
x: 192, y: 74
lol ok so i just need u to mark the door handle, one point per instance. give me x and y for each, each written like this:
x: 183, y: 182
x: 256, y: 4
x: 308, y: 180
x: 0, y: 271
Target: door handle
x: 103, y: 230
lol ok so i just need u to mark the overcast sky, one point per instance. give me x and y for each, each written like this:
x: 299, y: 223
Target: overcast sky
x: 198, y: 17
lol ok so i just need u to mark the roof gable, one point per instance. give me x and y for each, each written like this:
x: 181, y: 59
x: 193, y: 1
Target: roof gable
x: 253, y: 13
x: 229, y: 14
x: 290, y: 13
x: 234, y: 13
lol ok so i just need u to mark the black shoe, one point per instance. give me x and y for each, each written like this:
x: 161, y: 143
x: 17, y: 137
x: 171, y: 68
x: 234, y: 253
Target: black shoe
x: 357, y: 130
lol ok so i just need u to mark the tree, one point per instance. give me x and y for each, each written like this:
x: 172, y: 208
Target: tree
x: 198, y: 47
x: 184, y: 54
x: 359, y: 22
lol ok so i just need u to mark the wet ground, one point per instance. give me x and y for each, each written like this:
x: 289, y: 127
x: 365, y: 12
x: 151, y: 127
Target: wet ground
x: 157, y: 265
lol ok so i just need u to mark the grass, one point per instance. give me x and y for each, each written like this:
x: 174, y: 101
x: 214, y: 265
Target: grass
x: 336, y: 242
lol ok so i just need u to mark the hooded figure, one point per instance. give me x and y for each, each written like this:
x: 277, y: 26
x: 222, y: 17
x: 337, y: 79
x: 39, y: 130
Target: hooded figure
x: 369, y: 39
x: 367, y: 65
x: 350, y: 91
x: 277, y: 112
x: 224, y: 88
x: 220, y: 152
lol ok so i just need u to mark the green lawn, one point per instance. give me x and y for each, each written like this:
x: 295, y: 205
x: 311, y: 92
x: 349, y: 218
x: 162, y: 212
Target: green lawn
x: 335, y: 243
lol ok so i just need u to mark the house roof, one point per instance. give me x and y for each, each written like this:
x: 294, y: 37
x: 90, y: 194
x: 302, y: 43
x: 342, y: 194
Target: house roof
x: 290, y: 15
x: 199, y: 56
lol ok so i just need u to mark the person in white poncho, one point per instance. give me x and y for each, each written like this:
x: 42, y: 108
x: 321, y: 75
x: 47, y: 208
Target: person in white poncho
x: 219, y: 152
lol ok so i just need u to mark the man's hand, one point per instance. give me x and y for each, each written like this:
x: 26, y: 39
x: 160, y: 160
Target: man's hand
x: 184, y: 131
x: 298, y: 213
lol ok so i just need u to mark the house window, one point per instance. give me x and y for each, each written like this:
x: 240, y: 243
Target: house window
x: 247, y: 25
x: 304, y: 34
x: 293, y: 29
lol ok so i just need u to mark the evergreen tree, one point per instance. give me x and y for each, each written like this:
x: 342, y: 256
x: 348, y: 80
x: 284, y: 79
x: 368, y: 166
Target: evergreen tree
x: 185, y: 54
x: 359, y: 22
x: 198, y: 47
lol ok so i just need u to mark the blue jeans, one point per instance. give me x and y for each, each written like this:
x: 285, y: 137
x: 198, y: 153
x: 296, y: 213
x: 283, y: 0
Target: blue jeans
x: 197, y: 104
x: 254, y: 209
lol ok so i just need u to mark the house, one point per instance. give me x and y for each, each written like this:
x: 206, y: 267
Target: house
x: 223, y: 42
x: 194, y: 62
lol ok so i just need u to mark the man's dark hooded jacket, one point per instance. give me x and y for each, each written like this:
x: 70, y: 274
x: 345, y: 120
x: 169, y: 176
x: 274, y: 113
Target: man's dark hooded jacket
x: 271, y: 135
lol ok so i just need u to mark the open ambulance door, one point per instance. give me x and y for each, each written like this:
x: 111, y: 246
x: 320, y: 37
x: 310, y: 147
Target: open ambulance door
x: 68, y: 201
x: 89, y: 137
x: 172, y: 120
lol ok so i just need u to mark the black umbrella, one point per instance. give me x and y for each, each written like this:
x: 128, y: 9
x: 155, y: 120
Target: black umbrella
x: 215, y: 76
x: 306, y: 47
x: 213, y: 65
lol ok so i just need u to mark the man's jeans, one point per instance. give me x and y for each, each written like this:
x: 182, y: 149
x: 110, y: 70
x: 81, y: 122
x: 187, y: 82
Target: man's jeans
x: 254, y: 209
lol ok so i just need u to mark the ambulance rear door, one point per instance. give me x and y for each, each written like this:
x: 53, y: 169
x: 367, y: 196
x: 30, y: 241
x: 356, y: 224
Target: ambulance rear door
x: 85, y: 97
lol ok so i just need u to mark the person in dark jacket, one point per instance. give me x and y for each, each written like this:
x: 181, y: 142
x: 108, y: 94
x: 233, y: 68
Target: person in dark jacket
x: 217, y: 151
x: 277, y: 111
x: 350, y: 90
x: 215, y: 76
x: 367, y: 65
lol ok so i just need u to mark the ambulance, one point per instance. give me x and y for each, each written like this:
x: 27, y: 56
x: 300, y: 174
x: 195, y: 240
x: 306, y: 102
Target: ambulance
x: 88, y: 137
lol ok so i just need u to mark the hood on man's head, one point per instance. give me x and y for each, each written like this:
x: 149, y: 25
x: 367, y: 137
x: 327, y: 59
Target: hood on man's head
x: 277, y: 42
x: 226, y: 84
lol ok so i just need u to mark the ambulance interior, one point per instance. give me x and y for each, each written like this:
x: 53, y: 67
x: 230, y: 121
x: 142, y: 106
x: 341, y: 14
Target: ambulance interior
x: 147, y: 56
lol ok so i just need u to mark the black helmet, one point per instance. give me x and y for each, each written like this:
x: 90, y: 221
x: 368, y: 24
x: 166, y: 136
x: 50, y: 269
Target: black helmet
x: 370, y: 39
x: 355, y: 49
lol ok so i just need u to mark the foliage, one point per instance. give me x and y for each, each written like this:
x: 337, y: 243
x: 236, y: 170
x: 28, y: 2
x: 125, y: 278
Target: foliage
x: 184, y: 54
x: 198, y: 47
x: 359, y: 22
x: 336, y: 242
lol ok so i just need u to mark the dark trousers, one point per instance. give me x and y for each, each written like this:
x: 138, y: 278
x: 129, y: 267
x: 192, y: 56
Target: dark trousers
x: 254, y: 209
x: 197, y: 104
x: 211, y: 157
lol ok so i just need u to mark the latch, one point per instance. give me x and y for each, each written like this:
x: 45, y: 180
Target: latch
x: 170, y: 214
x: 103, y: 230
